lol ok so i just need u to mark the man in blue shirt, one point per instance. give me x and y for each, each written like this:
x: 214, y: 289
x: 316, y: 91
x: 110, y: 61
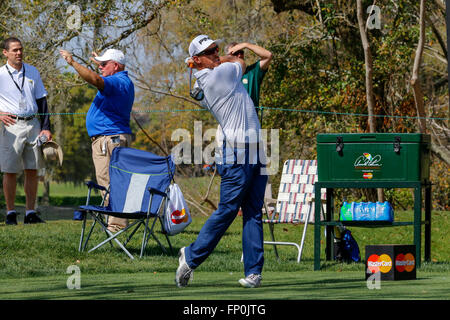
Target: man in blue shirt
x: 108, y: 118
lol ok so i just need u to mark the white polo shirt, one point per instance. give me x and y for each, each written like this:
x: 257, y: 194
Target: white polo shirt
x: 229, y: 102
x: 16, y: 100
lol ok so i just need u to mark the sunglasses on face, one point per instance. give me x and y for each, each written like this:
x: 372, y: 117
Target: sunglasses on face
x: 207, y: 52
x: 238, y: 53
x: 104, y: 63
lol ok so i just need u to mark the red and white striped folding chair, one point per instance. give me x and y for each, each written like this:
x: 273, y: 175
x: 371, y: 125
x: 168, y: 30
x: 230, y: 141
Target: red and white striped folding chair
x: 295, y: 201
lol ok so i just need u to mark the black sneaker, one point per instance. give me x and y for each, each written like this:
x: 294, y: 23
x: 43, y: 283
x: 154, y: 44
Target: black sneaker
x: 11, y: 219
x: 32, y: 218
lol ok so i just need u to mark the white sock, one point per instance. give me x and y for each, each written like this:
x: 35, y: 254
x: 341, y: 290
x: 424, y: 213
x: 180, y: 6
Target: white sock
x: 29, y: 211
x: 11, y: 211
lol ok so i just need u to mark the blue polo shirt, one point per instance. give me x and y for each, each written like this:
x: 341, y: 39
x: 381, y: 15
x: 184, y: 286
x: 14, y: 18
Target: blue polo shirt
x: 109, y: 113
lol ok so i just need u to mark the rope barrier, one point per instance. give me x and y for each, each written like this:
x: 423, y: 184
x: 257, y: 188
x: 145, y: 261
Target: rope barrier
x: 262, y: 108
x: 352, y: 114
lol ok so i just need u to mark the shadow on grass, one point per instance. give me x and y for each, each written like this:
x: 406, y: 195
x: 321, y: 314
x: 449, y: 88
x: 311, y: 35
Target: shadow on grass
x: 222, y: 286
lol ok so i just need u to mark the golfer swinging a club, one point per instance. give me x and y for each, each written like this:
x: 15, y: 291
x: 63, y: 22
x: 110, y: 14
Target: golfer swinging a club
x: 238, y: 162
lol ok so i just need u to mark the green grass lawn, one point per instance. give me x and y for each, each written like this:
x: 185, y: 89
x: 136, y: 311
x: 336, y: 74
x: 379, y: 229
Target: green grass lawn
x: 59, y: 189
x: 69, y: 194
x: 80, y: 190
x: 34, y: 260
x: 206, y: 285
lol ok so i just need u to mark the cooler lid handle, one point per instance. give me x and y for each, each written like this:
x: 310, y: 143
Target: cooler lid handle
x: 339, y: 145
x: 397, y: 146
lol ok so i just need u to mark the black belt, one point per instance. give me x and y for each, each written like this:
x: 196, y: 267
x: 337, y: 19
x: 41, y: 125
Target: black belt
x: 22, y: 118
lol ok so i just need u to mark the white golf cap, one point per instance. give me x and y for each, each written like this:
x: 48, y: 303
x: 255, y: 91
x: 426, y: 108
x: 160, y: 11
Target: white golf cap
x: 112, y: 54
x: 200, y: 43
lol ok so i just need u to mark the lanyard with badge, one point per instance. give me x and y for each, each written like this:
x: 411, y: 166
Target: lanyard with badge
x: 22, y: 103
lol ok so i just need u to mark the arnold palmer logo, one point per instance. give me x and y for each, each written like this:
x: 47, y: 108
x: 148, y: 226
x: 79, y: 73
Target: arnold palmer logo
x: 366, y: 160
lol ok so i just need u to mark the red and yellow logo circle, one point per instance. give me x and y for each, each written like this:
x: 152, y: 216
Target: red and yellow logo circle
x: 376, y: 263
x: 179, y: 216
x: 405, y: 262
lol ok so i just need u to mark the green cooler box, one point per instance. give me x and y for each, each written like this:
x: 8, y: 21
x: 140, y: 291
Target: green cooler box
x: 373, y: 157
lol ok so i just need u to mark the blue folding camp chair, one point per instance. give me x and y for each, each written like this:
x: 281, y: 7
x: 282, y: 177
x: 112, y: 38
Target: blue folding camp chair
x: 139, y: 181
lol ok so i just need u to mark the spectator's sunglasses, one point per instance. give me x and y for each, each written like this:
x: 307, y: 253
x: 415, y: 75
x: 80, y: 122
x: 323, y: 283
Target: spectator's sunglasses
x: 104, y: 63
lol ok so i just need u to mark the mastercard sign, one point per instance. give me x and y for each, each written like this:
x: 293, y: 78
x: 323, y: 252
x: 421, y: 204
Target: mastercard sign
x: 393, y: 262
x: 382, y: 263
x: 405, y: 262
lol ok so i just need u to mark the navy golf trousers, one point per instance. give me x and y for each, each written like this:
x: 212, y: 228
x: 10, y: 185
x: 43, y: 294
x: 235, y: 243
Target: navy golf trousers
x: 242, y: 185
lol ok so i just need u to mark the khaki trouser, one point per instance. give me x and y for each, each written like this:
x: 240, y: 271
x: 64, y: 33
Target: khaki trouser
x: 102, y: 148
x: 18, y: 146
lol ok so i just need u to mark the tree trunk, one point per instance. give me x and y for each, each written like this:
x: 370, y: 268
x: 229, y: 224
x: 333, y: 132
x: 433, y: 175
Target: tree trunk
x: 369, y: 82
x: 46, y: 192
x: 415, y: 82
x: 369, y: 67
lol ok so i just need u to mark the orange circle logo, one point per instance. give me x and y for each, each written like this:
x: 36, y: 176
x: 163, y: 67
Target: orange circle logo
x: 386, y: 263
x: 410, y: 262
x: 376, y: 263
